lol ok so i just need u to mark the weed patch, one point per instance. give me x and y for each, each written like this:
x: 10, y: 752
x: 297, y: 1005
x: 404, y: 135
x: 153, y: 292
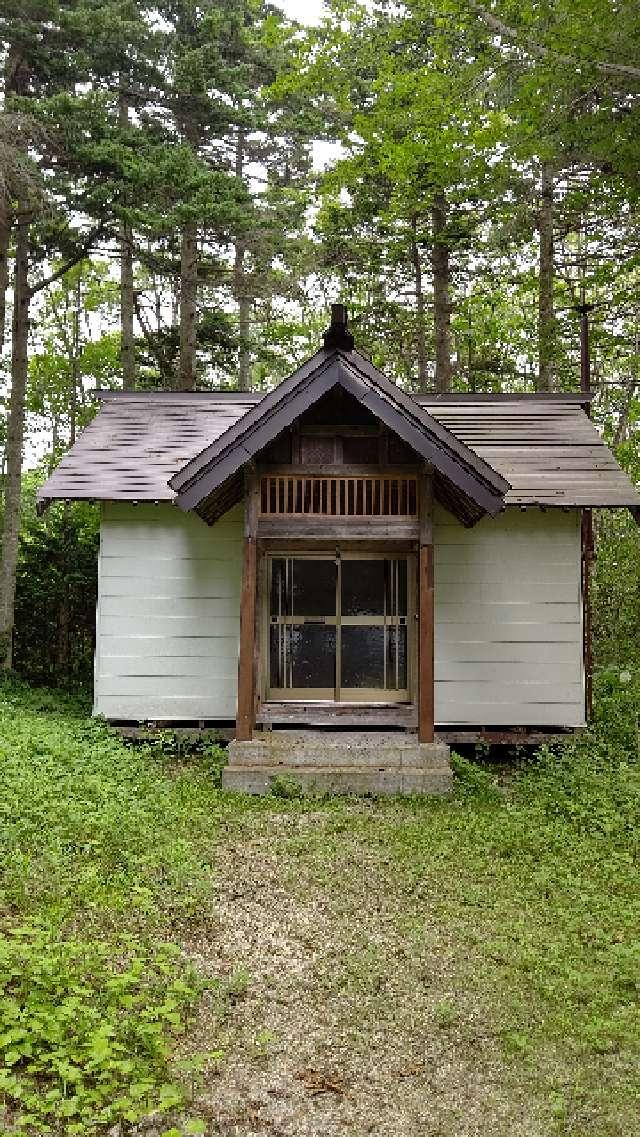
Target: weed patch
x: 105, y: 857
x: 86, y: 1028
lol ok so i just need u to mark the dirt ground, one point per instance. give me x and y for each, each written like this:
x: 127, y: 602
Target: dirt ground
x: 354, y: 1009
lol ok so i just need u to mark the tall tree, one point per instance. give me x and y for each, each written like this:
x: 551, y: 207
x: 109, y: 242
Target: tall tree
x: 419, y: 146
x: 39, y: 70
x: 127, y: 294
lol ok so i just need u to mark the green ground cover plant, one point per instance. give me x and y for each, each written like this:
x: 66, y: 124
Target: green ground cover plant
x: 100, y: 865
x: 115, y: 859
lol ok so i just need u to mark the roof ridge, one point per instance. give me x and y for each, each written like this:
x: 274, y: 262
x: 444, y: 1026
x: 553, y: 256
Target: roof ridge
x: 177, y: 396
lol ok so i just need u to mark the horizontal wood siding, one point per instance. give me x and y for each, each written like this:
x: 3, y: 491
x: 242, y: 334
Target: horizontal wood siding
x: 168, y: 614
x: 508, y: 648
x: 508, y: 641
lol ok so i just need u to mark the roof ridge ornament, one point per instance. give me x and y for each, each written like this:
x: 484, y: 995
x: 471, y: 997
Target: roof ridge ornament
x: 337, y: 334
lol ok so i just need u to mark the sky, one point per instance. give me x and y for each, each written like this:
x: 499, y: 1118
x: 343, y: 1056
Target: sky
x: 305, y: 11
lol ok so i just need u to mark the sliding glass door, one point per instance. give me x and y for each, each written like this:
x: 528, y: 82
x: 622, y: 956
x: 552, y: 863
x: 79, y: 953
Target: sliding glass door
x: 338, y: 628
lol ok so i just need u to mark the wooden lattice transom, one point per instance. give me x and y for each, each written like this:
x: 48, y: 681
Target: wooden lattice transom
x: 317, y: 496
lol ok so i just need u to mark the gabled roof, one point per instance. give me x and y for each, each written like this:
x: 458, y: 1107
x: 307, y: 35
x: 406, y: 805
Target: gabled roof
x: 543, y: 445
x: 465, y: 479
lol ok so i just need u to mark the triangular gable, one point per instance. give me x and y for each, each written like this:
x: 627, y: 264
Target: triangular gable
x: 457, y: 466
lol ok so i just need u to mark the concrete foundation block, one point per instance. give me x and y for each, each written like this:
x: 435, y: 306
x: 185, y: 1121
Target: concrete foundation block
x: 343, y: 763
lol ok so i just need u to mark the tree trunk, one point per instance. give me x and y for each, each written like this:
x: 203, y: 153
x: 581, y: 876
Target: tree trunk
x: 441, y: 298
x: 188, y: 306
x: 53, y: 456
x: 241, y: 292
x: 5, y: 234
x: 15, y: 437
x: 421, y: 335
x: 546, y: 317
x: 243, y: 300
x: 125, y: 237
x: 74, y: 362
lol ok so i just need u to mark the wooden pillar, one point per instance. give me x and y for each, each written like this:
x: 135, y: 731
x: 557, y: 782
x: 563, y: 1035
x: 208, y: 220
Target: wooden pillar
x: 425, y: 610
x: 245, y: 721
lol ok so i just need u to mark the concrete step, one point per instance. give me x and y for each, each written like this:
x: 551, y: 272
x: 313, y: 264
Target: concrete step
x: 259, y: 779
x: 317, y: 749
x: 337, y: 737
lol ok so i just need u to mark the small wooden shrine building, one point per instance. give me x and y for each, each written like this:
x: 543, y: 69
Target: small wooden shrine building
x: 338, y: 553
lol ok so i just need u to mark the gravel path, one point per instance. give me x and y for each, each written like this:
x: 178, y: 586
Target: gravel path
x: 356, y: 1011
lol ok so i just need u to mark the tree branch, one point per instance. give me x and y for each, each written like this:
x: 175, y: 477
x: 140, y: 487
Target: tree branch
x: 152, y: 345
x: 78, y: 256
x: 500, y: 28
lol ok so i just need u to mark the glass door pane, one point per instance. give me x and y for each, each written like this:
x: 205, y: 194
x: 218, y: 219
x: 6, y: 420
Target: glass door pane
x: 373, y: 630
x: 302, y: 628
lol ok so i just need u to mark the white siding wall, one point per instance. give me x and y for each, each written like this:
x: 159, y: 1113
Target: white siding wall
x: 168, y: 614
x: 508, y: 635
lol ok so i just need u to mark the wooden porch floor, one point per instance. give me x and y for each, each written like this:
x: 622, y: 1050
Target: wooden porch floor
x: 403, y: 715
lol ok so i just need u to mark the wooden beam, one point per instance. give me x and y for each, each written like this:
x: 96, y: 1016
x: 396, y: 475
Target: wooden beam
x: 525, y: 736
x: 337, y: 470
x: 402, y: 715
x: 300, y: 526
x: 245, y: 721
x: 425, y: 610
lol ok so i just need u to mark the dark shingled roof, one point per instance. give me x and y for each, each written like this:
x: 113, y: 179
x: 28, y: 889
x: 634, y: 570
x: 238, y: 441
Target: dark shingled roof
x: 546, y: 448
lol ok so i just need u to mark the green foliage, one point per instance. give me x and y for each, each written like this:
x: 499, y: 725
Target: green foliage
x: 587, y: 785
x: 616, y: 592
x: 203, y: 751
x: 86, y: 1029
x: 56, y: 590
x: 102, y: 853
x: 107, y: 850
x: 473, y: 782
x: 91, y: 825
x: 288, y: 789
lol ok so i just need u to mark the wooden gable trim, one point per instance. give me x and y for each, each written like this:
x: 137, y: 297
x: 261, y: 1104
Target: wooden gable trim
x: 197, y: 486
x: 454, y: 461
x: 410, y: 406
x: 260, y: 412
x: 486, y: 487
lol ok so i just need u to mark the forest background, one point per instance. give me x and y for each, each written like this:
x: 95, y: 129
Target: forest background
x: 163, y: 225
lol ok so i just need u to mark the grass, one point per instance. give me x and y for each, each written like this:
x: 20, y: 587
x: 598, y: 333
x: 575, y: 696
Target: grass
x: 425, y: 967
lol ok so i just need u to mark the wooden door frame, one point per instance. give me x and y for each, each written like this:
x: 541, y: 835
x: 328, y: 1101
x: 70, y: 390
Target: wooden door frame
x: 408, y: 695
x: 251, y: 669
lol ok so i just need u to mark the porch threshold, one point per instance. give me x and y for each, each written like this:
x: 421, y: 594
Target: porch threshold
x: 402, y: 715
